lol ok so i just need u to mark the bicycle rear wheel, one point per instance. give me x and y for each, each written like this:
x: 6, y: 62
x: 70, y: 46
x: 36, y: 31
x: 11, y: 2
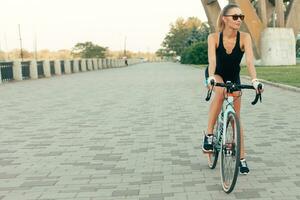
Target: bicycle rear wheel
x: 213, y: 156
x: 230, y: 153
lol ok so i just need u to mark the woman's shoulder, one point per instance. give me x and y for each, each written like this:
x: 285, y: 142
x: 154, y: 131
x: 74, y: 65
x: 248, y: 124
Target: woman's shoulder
x: 214, y: 35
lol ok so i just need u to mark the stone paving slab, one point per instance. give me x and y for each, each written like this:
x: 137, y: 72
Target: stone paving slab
x: 135, y: 133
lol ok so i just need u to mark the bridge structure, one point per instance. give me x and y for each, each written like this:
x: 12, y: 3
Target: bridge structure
x: 272, y: 24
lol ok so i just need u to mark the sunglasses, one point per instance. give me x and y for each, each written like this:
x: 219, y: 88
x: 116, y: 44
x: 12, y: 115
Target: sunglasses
x: 235, y: 17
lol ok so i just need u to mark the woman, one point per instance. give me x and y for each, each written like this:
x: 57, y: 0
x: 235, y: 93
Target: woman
x: 225, y: 51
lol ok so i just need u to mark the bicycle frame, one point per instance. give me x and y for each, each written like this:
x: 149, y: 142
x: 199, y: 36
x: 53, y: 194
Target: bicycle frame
x: 222, y: 118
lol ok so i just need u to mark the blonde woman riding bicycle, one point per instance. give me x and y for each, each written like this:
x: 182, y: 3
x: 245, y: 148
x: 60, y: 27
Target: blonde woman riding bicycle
x: 225, y: 51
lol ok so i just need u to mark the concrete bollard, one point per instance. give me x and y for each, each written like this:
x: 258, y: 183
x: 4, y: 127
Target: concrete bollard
x: 67, y: 66
x: 103, y: 63
x: 76, y: 65
x: 33, y: 70
x: 83, y: 65
x: 95, y: 63
x: 100, y: 63
x: 46, y: 66
x: 17, y: 70
x: 89, y: 64
x: 106, y: 63
x: 109, y: 63
x: 57, y: 67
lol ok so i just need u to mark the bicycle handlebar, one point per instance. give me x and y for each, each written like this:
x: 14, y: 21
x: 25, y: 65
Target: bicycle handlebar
x: 231, y: 87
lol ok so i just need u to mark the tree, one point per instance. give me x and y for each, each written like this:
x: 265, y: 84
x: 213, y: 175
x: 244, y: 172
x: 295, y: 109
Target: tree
x: 164, y: 53
x: 298, y: 48
x: 184, y: 33
x: 88, y: 50
x: 195, y: 54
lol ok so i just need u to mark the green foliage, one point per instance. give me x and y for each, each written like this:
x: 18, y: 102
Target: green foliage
x: 298, y: 48
x: 163, y: 53
x: 183, y: 34
x: 195, y: 54
x: 88, y: 50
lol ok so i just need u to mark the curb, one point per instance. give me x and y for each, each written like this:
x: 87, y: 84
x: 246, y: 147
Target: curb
x: 279, y: 85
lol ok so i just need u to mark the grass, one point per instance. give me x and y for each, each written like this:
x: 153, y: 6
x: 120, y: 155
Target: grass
x: 288, y: 75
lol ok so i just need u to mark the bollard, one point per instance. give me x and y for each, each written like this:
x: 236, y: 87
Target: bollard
x: 95, y: 63
x: 83, y: 65
x: 89, y: 64
x: 46, y: 66
x: 17, y: 70
x: 57, y: 67
x: 100, y: 63
x: 33, y: 70
x: 76, y: 65
x: 67, y: 66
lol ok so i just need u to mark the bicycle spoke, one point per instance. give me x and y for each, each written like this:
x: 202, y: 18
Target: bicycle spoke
x: 230, y: 154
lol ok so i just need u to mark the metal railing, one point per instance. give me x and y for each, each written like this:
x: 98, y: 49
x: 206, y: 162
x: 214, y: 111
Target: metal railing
x: 72, y: 66
x: 15, y: 70
x: 62, y: 65
x: 25, y: 70
x: 40, y: 69
x: 52, y: 67
x: 79, y: 65
x: 6, y: 70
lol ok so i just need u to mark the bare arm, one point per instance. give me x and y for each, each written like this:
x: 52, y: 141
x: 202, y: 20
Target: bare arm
x: 249, y: 56
x: 211, y: 54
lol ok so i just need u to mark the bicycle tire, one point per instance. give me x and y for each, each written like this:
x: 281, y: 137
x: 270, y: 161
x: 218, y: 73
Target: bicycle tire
x: 230, y: 152
x: 213, y: 157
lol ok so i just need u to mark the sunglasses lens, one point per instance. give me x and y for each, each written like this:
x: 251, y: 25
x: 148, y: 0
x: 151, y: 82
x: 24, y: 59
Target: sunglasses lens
x: 235, y: 17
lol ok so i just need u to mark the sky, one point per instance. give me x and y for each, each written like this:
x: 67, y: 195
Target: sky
x: 60, y: 24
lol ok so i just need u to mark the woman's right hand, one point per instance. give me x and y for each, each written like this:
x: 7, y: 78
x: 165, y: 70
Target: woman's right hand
x: 211, y: 81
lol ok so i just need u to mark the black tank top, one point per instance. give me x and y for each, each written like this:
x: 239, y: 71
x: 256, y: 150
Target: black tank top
x: 228, y: 65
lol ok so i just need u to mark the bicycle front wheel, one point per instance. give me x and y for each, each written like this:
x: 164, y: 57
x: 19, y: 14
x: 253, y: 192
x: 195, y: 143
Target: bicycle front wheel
x: 230, y: 153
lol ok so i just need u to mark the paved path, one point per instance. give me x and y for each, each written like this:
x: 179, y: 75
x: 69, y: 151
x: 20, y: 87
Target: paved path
x: 135, y: 133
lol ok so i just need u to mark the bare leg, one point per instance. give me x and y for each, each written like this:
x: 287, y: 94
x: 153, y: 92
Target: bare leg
x: 237, y: 108
x: 215, y: 106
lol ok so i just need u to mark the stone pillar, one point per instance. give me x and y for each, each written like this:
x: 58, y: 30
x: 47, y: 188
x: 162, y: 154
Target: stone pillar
x: 278, y: 47
x: 57, y: 67
x: 212, y: 10
x: 100, y: 63
x: 104, y: 63
x: 17, y: 70
x: 90, y: 64
x: 293, y: 16
x: 46, y: 66
x: 76, y: 65
x: 96, y: 65
x: 280, y: 13
x: 33, y: 69
x: 110, y: 63
x: 83, y: 65
x: 67, y: 66
x: 262, y: 12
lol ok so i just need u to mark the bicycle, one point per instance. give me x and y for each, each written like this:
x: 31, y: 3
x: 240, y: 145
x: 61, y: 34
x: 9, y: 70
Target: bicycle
x: 227, y: 135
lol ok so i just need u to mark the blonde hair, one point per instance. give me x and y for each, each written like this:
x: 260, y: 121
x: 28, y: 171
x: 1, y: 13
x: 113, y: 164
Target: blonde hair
x: 225, y: 10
